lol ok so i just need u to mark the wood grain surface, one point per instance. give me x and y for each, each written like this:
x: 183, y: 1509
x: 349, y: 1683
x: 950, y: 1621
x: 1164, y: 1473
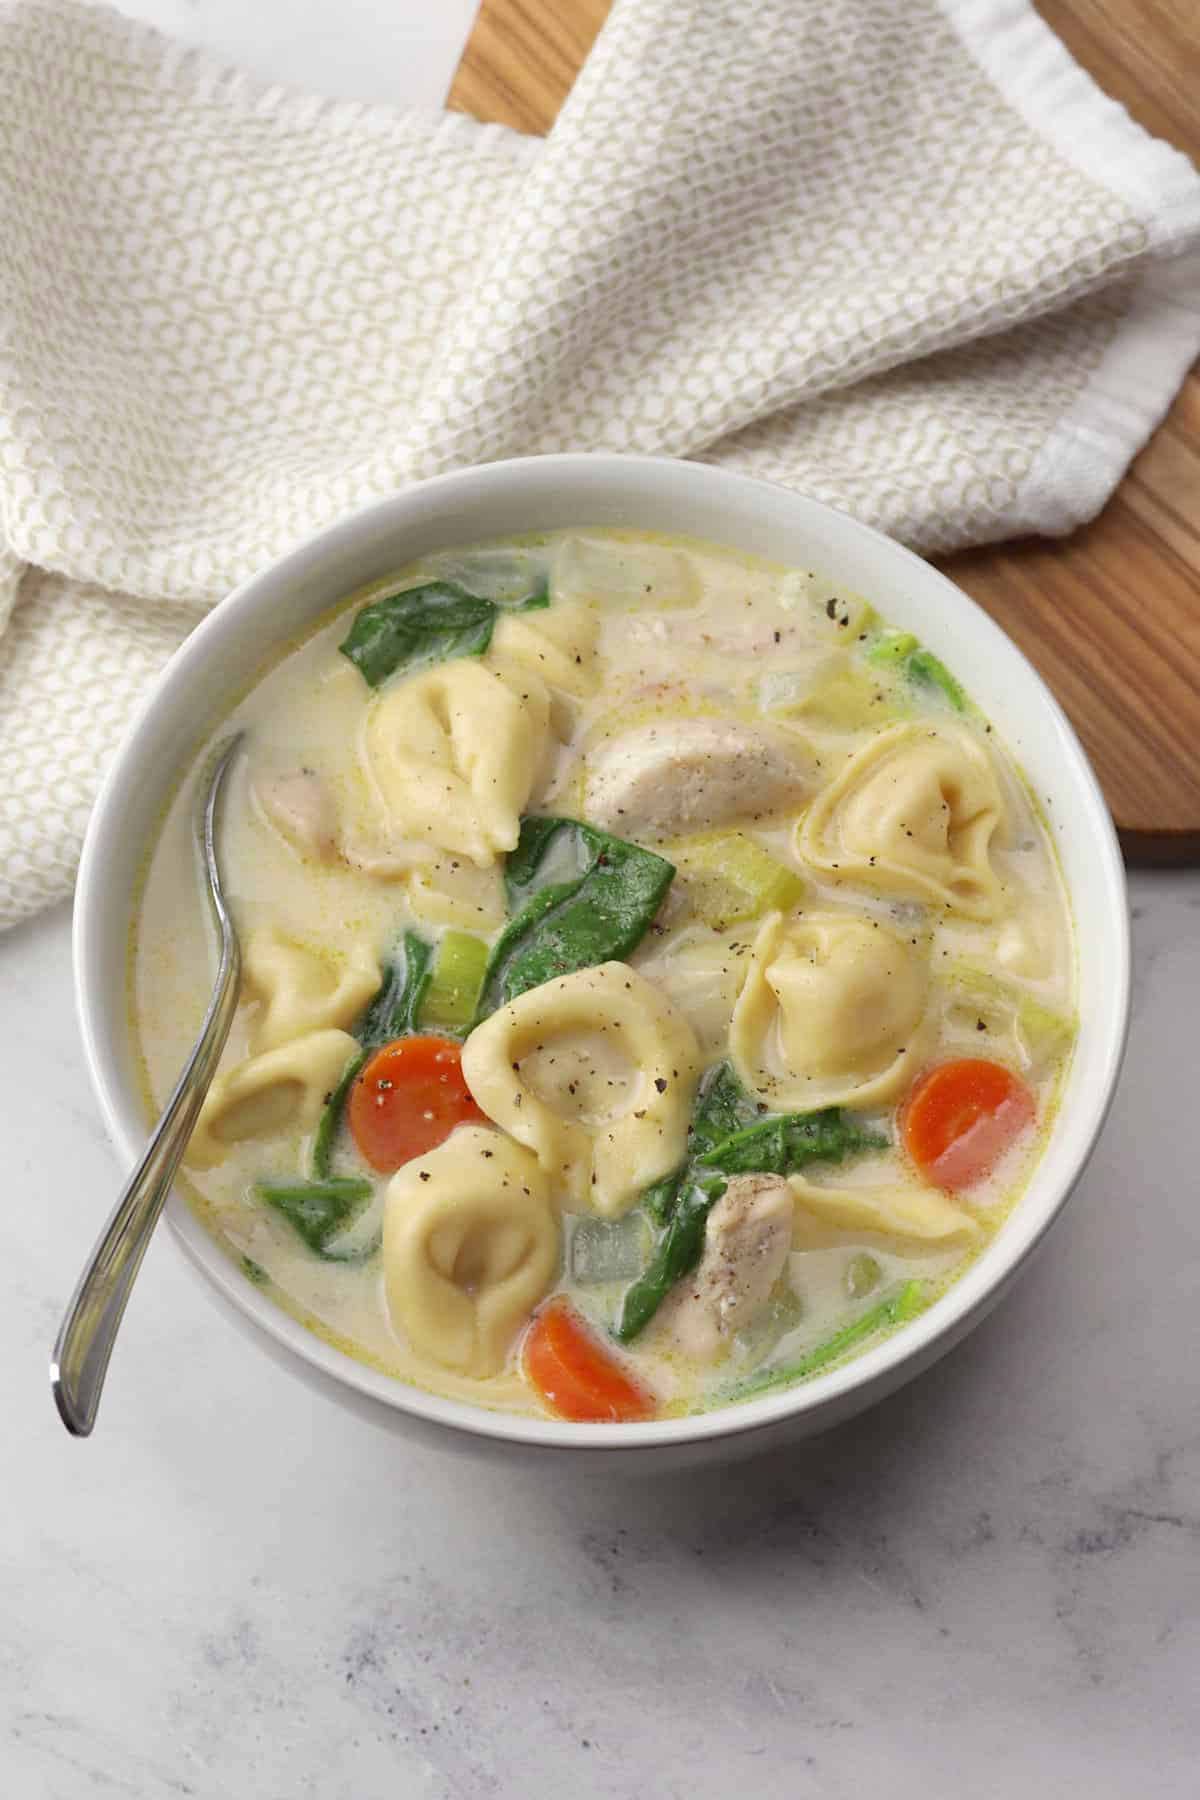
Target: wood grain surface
x: 1111, y: 615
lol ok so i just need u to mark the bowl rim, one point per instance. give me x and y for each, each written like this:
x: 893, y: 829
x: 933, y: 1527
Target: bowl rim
x: 881, y: 1367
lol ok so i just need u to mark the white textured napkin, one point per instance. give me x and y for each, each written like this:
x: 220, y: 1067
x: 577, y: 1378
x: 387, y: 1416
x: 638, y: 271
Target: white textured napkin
x: 904, y: 257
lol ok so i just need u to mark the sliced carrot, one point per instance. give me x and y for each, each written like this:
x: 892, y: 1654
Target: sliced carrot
x: 961, y: 1117
x: 575, y: 1375
x: 408, y: 1099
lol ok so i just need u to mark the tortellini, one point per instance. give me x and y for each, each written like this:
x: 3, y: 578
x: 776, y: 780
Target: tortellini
x: 601, y: 1160
x: 470, y: 1245
x: 559, y: 645
x: 832, y: 1010
x: 456, y: 753
x: 914, y: 812
x: 885, y: 1206
x: 282, y: 1090
x: 302, y: 989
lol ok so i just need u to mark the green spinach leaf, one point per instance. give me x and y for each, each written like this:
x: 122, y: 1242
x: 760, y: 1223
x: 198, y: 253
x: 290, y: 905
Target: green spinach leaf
x: 396, y: 1007
x: 582, y: 897
x: 424, y: 625
x: 319, y: 1211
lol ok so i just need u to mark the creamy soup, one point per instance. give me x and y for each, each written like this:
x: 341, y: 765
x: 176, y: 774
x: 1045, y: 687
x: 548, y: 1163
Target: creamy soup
x: 658, y: 981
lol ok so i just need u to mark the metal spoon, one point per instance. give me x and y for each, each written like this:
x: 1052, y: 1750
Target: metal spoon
x: 79, y: 1360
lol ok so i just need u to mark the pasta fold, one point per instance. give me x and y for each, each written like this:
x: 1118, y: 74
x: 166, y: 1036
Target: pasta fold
x: 301, y: 989
x: 456, y: 753
x: 832, y: 1011
x: 282, y: 1090
x: 914, y: 812
x: 470, y: 1245
x: 601, y: 1158
x: 920, y: 1213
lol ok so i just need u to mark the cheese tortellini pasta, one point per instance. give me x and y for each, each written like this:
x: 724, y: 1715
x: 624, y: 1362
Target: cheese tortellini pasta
x: 470, y: 1245
x: 618, y: 1035
x: 456, y: 753
x: 831, y: 1011
x: 282, y: 1090
x: 304, y: 988
x: 885, y: 1206
x: 914, y: 812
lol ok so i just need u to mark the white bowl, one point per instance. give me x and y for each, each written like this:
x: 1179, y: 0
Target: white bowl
x: 542, y: 493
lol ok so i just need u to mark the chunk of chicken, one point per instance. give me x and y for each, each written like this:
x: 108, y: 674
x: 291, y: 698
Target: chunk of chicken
x: 300, y: 807
x: 683, y: 775
x: 746, y: 1244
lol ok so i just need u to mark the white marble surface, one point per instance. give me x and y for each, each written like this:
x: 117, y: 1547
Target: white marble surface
x: 988, y: 1586
x: 235, y: 1589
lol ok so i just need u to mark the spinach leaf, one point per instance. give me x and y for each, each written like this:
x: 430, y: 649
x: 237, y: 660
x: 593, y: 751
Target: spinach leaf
x: 727, y: 1136
x: 722, y: 1107
x: 331, y: 1118
x: 924, y: 666
x: 424, y: 625
x: 395, y: 1009
x: 318, y: 1210
x: 584, y: 897
x: 676, y: 1254
x: 782, y: 1144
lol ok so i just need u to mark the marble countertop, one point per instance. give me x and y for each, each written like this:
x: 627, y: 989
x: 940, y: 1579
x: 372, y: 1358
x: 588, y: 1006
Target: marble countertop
x: 988, y: 1585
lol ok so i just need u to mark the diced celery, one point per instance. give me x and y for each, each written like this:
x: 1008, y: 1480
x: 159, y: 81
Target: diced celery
x: 863, y: 1275
x: 729, y: 878
x: 925, y: 667
x: 782, y: 1313
x: 453, y: 991
x: 850, y: 701
x: 1040, y: 1030
x: 892, y: 648
x: 609, y: 1249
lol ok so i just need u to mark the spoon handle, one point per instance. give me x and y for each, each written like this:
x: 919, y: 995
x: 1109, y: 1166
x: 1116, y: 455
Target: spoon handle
x: 86, y: 1336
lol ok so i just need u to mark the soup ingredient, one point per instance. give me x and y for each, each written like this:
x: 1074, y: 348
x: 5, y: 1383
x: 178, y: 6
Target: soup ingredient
x: 675, y: 1255
x: 326, y: 1132
x: 683, y: 775
x: 863, y: 1275
x: 605, y: 1036
x: 455, y: 752
x: 608, y: 1249
x: 471, y: 1242
x: 407, y: 1099
x: 901, y: 649
x: 397, y: 1006
x: 783, y: 1145
x: 319, y: 1211
x: 454, y: 987
x: 913, y: 814
x: 896, y: 1308
x: 925, y: 667
x: 576, y: 1376
x: 584, y: 897
x: 729, y: 878
x: 423, y: 625
x: 961, y: 1117
x: 721, y: 1145
x: 832, y: 1010
x: 746, y: 1241
x: 300, y: 807
x: 1039, y: 1032
x: 722, y: 1107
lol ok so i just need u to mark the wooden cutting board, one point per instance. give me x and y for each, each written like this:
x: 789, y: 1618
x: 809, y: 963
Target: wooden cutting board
x: 1111, y: 616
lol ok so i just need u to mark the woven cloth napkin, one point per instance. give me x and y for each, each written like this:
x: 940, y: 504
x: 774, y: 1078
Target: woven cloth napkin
x: 906, y: 258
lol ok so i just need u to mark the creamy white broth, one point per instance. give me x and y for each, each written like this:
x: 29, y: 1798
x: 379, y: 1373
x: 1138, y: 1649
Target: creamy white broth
x: 682, y: 632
